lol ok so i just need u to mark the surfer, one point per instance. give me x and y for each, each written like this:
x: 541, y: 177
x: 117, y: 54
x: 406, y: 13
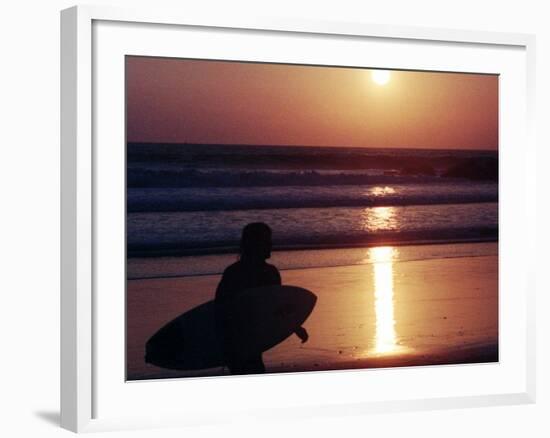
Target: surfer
x: 250, y: 271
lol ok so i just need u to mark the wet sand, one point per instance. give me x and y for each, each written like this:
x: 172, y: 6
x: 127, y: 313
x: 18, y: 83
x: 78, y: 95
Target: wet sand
x: 381, y: 314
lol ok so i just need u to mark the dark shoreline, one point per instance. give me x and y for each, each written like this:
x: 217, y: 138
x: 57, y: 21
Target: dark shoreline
x: 465, y: 355
x: 444, y: 237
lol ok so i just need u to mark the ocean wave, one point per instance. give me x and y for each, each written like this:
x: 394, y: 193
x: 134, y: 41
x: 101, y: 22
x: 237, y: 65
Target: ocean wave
x: 167, y: 233
x: 246, y: 198
x: 162, y: 177
x: 173, y: 165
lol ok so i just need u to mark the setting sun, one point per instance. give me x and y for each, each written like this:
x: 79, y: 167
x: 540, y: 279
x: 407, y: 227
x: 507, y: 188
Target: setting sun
x: 381, y: 77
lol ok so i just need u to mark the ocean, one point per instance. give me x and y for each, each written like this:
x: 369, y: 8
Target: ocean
x: 193, y: 200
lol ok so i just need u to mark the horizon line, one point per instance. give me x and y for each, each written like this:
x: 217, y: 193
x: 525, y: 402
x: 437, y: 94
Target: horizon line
x: 310, y: 146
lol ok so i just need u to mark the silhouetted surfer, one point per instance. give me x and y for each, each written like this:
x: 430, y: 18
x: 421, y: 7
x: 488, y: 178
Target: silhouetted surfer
x: 250, y: 271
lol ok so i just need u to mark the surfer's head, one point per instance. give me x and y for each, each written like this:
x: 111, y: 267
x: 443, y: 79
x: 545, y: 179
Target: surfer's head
x: 256, y: 241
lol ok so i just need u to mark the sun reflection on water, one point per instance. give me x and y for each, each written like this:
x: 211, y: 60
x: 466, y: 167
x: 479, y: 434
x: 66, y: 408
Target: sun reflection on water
x: 381, y: 191
x: 385, y: 337
x: 380, y: 219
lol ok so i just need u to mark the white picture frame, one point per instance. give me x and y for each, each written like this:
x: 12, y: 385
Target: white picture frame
x: 90, y: 36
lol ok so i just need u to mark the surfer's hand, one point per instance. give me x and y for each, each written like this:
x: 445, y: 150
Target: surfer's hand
x: 302, y: 334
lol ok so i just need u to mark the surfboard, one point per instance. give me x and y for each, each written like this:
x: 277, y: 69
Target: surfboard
x: 260, y: 318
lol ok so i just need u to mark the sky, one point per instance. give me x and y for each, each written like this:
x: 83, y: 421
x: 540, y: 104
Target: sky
x: 223, y: 102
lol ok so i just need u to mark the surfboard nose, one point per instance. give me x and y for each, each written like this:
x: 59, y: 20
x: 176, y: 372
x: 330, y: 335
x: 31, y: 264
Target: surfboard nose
x: 312, y: 297
x: 306, y: 298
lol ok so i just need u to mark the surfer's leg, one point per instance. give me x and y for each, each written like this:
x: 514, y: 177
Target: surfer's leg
x: 255, y: 365
x: 236, y: 363
x: 250, y: 365
x: 238, y: 368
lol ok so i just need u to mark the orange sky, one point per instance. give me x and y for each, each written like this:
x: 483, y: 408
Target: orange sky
x: 177, y: 100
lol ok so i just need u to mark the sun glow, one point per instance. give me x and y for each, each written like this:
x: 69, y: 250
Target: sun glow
x: 381, y: 77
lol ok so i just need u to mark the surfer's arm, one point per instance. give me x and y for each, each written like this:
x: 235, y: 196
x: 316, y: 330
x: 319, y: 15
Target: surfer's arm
x: 226, y: 286
x: 302, y: 334
x: 277, y: 277
x: 221, y: 290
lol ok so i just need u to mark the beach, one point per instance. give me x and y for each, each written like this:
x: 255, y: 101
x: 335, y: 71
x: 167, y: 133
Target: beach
x: 396, y: 306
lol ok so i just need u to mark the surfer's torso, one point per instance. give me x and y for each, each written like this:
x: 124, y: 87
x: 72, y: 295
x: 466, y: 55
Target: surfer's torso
x: 246, y: 275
